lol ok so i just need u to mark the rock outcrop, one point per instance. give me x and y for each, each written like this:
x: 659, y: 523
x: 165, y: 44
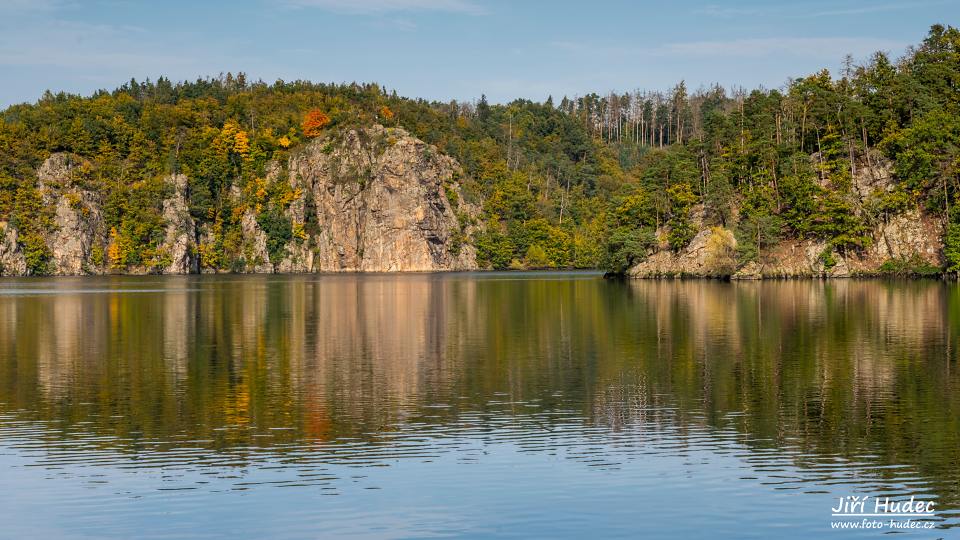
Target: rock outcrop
x: 78, y: 222
x: 910, y: 238
x: 381, y: 203
x: 256, y: 257
x: 711, y: 252
x: 179, y: 242
x: 364, y: 200
x: 12, y: 261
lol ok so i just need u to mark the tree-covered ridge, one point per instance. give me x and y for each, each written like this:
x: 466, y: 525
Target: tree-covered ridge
x: 585, y: 182
x: 785, y: 158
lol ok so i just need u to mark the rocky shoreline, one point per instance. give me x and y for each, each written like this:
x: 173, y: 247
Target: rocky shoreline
x: 906, y: 244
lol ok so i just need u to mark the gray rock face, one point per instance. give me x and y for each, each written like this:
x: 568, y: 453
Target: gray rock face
x: 876, y: 175
x: 379, y: 202
x: 710, y: 252
x: 371, y: 200
x: 181, y: 232
x: 12, y: 261
x: 910, y: 236
x: 78, y: 220
x: 255, y: 245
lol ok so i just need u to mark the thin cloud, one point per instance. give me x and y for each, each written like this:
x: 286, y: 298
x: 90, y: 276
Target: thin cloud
x: 808, y: 11
x: 760, y: 47
x: 394, y: 23
x: 54, y: 57
x: 380, y: 7
x: 817, y: 47
x: 74, y: 44
x: 725, y: 12
x: 26, y: 6
x: 877, y: 8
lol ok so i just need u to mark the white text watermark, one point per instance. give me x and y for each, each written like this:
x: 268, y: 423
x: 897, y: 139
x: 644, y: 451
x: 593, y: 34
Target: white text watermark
x: 868, y: 512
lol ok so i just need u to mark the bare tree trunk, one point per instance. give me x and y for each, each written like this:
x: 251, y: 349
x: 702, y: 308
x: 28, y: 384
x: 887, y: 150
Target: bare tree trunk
x: 509, y: 139
x: 779, y: 120
x: 562, y: 197
x: 819, y: 157
x: 742, y: 141
x: 946, y: 199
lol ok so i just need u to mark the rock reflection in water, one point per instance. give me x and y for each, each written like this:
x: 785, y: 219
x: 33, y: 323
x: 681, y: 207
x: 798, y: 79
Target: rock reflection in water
x: 833, y: 380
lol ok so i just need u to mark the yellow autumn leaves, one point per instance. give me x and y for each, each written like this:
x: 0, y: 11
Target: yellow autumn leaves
x: 231, y: 139
x: 122, y: 246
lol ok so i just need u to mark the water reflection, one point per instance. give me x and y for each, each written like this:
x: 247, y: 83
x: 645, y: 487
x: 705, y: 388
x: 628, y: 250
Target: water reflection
x: 240, y: 382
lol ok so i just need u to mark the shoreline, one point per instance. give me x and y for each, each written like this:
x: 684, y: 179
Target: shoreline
x: 605, y: 274
x: 483, y: 272
x: 733, y: 278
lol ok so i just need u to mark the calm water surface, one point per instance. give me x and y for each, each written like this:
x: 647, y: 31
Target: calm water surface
x: 471, y: 405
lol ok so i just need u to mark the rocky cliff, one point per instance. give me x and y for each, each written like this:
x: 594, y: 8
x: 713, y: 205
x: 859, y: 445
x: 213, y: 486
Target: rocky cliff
x: 907, y: 241
x: 78, y: 222
x: 365, y: 200
x: 382, y: 202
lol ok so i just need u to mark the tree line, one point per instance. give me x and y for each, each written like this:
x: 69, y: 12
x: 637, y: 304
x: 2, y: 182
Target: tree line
x: 585, y: 182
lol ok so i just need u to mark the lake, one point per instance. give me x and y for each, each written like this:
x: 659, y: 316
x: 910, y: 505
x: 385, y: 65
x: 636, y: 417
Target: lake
x: 512, y: 405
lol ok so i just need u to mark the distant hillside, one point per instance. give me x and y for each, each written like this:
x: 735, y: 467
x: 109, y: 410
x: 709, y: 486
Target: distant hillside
x: 859, y: 172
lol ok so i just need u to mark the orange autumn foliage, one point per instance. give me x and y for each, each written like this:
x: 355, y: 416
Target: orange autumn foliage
x: 314, y: 122
x: 386, y: 113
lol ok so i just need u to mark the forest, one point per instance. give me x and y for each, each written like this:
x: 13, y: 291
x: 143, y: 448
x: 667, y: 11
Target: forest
x: 571, y: 182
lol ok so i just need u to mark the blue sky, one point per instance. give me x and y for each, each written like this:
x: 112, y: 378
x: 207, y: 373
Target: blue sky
x: 449, y: 49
